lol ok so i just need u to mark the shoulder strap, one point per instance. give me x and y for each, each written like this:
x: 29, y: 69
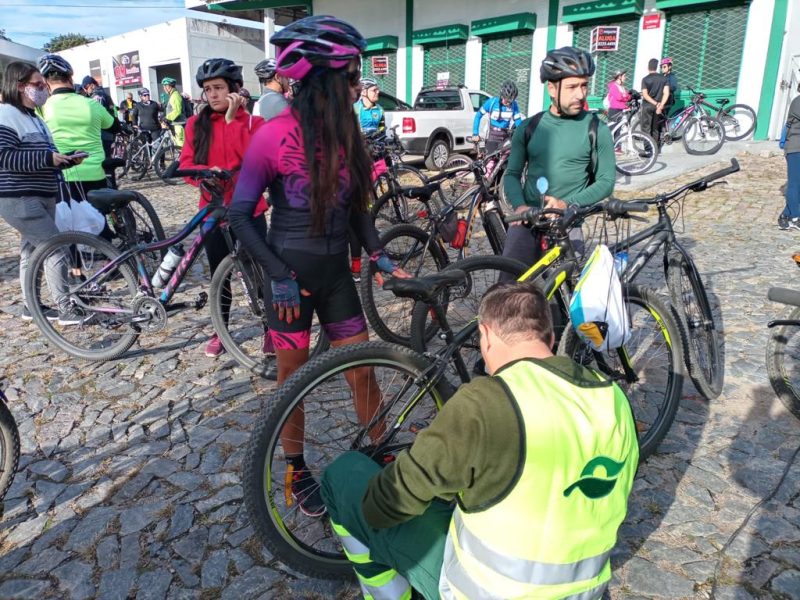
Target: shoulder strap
x: 533, y: 122
x: 593, y: 147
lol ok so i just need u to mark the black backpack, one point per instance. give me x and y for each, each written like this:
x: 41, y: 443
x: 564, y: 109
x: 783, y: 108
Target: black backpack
x: 533, y: 122
x: 188, y: 107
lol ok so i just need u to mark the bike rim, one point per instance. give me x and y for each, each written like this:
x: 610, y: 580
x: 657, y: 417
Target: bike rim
x: 700, y: 331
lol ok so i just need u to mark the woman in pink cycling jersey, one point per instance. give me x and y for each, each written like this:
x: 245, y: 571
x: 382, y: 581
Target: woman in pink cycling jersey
x: 314, y: 162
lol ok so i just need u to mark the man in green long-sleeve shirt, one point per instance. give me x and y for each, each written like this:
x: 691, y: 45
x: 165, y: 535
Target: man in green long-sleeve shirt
x: 511, y: 449
x: 559, y: 149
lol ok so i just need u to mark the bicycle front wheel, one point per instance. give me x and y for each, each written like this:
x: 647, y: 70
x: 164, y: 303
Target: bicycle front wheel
x: 165, y: 156
x: 783, y: 361
x: 238, y: 314
x: 101, y: 327
x: 410, y: 249
x: 9, y: 447
x: 703, y: 135
x: 635, y: 152
x: 738, y: 120
x: 654, y: 356
x: 704, y: 358
x: 380, y: 415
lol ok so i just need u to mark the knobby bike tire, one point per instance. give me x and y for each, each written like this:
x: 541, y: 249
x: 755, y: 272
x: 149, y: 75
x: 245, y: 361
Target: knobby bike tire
x: 711, y: 124
x: 782, y: 363
x: 703, y: 353
x: 9, y: 446
x: 245, y: 344
x: 667, y: 373
x: 641, y: 143
x: 76, y: 243
x: 734, y: 132
x: 165, y: 156
x: 390, y: 316
x: 148, y: 227
x: 495, y: 230
x: 265, y: 495
x: 422, y: 328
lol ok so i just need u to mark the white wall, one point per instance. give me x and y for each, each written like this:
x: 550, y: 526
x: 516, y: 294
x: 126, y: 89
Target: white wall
x: 754, y: 56
x: 788, y: 73
x: 650, y: 45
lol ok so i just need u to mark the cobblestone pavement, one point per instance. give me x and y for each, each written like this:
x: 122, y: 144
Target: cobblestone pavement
x: 129, y: 478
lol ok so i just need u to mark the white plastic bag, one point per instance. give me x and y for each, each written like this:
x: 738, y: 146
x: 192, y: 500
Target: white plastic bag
x: 63, y: 216
x: 86, y: 217
x: 597, y: 309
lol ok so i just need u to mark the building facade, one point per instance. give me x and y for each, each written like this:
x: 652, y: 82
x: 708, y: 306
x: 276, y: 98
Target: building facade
x: 141, y: 58
x: 745, y: 50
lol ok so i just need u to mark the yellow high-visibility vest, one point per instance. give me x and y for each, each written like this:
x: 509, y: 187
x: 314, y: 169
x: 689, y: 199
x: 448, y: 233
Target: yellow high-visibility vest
x: 550, y: 535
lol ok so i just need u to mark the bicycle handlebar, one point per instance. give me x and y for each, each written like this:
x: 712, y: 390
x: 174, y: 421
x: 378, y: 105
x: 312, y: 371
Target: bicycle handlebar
x: 698, y: 185
x: 174, y: 170
x: 613, y: 207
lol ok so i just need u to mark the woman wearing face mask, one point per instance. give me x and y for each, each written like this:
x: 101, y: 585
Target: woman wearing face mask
x: 216, y: 138
x: 29, y: 179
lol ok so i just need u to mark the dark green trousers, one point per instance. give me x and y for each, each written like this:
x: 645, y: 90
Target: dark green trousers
x: 414, y: 549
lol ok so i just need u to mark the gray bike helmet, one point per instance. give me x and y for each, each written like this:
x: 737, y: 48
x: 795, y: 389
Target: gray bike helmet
x: 509, y: 91
x: 566, y: 62
x: 143, y: 91
x: 266, y: 68
x: 367, y: 83
x: 51, y: 64
x: 219, y: 67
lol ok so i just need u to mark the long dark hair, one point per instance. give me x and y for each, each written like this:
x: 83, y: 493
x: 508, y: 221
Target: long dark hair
x: 15, y: 73
x: 202, y: 128
x: 331, y: 136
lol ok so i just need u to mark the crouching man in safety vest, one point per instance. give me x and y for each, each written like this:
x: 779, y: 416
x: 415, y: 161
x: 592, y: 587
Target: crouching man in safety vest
x: 540, y: 457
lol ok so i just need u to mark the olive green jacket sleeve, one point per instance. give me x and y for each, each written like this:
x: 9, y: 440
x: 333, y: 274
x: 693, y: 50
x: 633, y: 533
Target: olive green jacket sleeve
x: 466, y: 449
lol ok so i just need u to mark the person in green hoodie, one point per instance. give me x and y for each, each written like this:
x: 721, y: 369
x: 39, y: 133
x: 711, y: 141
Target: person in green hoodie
x: 173, y: 108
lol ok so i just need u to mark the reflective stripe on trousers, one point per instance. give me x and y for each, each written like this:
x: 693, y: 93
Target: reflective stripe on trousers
x: 386, y: 585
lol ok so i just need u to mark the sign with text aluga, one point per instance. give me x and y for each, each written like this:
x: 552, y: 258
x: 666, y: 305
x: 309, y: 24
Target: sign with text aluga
x: 127, y: 70
x: 604, y: 39
x: 442, y: 79
x: 380, y: 65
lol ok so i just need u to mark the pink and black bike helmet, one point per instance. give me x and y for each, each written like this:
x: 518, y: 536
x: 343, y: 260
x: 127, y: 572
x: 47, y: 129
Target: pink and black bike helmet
x: 320, y: 40
x: 666, y: 61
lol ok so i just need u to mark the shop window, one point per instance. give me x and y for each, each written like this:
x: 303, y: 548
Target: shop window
x: 508, y: 58
x: 449, y: 59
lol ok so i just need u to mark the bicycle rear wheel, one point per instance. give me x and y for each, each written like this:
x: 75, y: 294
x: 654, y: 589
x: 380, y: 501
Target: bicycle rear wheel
x: 636, y: 153
x: 387, y: 377
x: 390, y: 316
x: 654, y: 353
x: 783, y: 361
x: 165, y: 156
x: 738, y: 120
x: 9, y: 446
x: 238, y: 284
x: 137, y: 223
x: 104, y: 331
x: 703, y: 135
x: 703, y: 356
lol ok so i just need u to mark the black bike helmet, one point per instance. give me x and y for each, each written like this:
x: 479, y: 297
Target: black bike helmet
x: 219, y: 67
x: 320, y: 40
x: 509, y: 91
x: 51, y: 64
x: 566, y: 62
x: 266, y: 69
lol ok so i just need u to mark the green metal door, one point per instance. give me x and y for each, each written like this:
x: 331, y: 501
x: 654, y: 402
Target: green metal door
x: 508, y: 58
x: 446, y: 58
x: 623, y: 58
x: 386, y: 82
x: 706, y: 48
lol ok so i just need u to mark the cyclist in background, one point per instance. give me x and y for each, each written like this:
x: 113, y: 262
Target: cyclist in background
x: 75, y: 122
x: 217, y: 138
x: 126, y: 108
x: 504, y: 114
x: 173, y: 108
x: 368, y: 111
x: 672, y: 82
x: 145, y: 115
x: 315, y: 164
x: 274, y: 88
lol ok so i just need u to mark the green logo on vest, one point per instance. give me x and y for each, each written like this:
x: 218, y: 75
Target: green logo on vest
x: 594, y: 487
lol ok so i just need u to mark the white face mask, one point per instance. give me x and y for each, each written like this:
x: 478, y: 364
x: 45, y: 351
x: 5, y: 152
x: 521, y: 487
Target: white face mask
x: 36, y: 95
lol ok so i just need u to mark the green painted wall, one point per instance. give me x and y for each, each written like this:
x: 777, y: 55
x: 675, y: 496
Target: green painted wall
x: 771, y: 69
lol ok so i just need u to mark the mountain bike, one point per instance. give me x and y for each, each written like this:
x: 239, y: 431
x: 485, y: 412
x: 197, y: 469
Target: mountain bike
x: 700, y: 132
x: 443, y: 228
x: 635, y: 151
x: 145, y: 153
x: 738, y: 120
x: 9, y: 444
x: 783, y: 347
x: 413, y: 387
x: 494, y: 170
x: 113, y: 289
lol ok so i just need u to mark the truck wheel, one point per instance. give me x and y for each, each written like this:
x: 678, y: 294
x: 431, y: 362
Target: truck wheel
x: 437, y: 155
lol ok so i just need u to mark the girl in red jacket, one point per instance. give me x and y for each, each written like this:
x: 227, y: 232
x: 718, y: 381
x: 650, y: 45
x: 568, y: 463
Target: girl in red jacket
x: 217, y: 138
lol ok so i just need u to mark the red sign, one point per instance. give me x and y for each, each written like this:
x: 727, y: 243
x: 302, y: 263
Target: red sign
x: 604, y: 39
x: 651, y: 21
x: 380, y: 65
x: 127, y: 70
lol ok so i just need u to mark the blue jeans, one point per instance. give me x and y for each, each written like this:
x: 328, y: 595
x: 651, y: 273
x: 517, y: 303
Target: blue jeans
x: 792, y: 209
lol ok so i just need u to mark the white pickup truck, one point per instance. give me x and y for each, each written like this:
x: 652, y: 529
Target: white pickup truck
x: 439, y: 122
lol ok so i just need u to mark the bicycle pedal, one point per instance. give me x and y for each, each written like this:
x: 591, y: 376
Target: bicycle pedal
x: 200, y: 301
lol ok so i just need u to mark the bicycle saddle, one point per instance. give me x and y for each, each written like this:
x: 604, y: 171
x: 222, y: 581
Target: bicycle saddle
x: 723, y: 101
x: 423, y: 193
x: 425, y: 289
x: 106, y: 200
